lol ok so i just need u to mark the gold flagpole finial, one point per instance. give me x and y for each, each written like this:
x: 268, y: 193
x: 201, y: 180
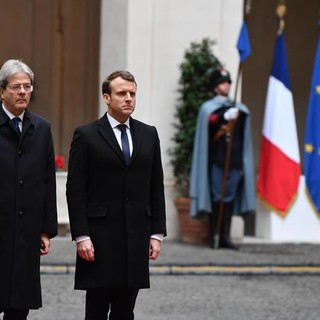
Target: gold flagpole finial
x: 281, y: 11
x: 318, y: 21
x: 247, y: 8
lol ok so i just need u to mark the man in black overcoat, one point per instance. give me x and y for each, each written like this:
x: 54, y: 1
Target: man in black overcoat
x: 116, y: 203
x: 28, y: 215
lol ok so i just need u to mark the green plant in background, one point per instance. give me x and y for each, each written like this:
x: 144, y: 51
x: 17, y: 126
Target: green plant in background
x: 196, y: 68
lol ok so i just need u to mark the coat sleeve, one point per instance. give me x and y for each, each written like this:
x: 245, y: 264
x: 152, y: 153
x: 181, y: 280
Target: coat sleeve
x: 75, y: 189
x: 50, y: 223
x: 157, y: 199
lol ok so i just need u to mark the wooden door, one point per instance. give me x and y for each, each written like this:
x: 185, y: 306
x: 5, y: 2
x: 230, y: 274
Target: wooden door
x: 59, y: 40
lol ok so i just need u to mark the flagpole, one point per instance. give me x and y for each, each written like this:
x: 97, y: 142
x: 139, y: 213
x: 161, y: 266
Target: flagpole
x: 279, y: 165
x: 281, y: 11
x: 247, y: 9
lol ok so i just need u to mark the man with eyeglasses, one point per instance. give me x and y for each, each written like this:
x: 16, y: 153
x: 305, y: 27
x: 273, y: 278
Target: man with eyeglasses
x: 28, y: 214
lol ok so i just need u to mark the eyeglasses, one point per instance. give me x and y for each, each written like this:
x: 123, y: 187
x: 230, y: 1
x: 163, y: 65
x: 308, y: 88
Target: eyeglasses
x: 26, y: 86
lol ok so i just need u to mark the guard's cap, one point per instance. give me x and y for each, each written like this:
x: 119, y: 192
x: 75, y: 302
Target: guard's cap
x: 219, y: 76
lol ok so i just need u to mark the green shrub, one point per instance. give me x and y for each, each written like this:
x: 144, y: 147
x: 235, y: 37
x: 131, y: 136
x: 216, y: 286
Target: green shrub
x: 199, y: 62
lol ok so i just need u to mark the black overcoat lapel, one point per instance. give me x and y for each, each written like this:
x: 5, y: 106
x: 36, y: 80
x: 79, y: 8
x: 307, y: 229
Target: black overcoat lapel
x: 28, y: 124
x: 105, y: 130
x: 137, y: 138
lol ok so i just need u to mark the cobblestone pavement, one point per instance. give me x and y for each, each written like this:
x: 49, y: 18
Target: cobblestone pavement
x: 248, y: 296
x: 198, y: 297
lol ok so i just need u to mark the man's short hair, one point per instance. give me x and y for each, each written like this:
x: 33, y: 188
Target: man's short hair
x: 126, y: 75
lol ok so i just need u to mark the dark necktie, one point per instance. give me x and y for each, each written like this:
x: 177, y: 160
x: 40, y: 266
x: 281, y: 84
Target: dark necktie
x: 16, y: 121
x: 124, y: 142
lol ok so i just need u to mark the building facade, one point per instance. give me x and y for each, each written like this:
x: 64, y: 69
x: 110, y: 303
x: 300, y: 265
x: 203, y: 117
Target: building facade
x: 73, y: 44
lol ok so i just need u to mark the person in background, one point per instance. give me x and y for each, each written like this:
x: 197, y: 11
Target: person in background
x: 28, y: 214
x: 222, y: 177
x: 116, y: 203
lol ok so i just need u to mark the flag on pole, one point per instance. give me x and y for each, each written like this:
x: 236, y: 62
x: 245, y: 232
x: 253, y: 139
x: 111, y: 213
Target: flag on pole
x: 243, y: 44
x: 312, y: 136
x: 279, y: 166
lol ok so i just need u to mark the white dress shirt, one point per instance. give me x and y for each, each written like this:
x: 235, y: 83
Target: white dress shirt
x: 114, y: 125
x: 11, y: 116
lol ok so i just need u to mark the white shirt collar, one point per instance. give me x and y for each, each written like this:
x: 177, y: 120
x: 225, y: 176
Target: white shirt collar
x: 10, y: 115
x: 114, y: 123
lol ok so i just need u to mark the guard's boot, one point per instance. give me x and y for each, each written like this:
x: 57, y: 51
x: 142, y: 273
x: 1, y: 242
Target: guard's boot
x: 212, y: 233
x: 225, y: 240
x: 213, y: 225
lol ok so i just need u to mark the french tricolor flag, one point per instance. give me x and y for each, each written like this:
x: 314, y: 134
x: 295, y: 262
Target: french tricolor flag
x: 279, y: 166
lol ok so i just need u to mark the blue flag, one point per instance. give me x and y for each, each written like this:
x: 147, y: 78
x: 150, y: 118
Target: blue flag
x: 312, y: 136
x: 243, y: 44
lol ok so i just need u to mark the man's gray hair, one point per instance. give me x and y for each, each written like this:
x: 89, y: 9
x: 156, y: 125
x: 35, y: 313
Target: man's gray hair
x: 12, y: 66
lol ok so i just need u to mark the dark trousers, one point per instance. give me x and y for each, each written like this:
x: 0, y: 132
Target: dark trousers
x: 15, y: 314
x: 119, y: 301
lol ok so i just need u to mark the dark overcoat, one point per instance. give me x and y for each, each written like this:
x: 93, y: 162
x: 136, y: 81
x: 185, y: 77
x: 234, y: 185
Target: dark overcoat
x: 118, y: 206
x: 27, y: 207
